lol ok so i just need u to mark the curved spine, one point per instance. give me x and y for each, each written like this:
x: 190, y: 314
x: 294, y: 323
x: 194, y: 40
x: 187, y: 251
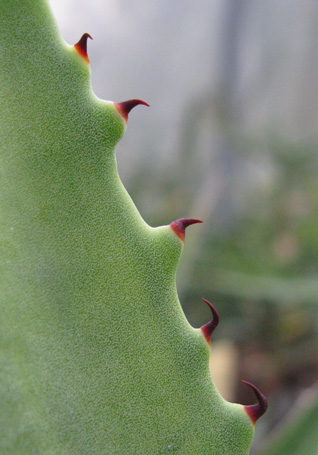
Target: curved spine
x: 255, y: 411
x: 209, y: 328
x: 81, y: 46
x: 179, y: 226
x: 124, y: 107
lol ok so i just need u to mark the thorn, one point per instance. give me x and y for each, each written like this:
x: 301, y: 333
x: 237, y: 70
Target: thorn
x: 209, y: 328
x: 179, y: 226
x: 255, y: 411
x: 126, y: 106
x: 81, y: 46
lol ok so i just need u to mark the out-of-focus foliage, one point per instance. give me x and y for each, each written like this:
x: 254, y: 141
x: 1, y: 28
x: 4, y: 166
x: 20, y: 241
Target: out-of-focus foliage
x: 299, y: 436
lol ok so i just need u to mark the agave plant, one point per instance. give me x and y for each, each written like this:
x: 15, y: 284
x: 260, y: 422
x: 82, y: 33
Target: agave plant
x: 97, y: 356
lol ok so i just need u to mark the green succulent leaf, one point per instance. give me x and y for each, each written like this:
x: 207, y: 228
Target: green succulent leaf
x: 96, y: 354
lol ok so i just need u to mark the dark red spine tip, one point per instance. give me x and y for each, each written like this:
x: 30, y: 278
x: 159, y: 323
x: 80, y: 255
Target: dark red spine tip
x: 126, y: 106
x: 179, y: 226
x: 81, y: 46
x: 255, y: 411
x: 209, y: 328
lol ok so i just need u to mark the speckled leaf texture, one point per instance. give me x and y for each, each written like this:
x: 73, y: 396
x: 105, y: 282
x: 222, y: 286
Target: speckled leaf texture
x: 96, y: 355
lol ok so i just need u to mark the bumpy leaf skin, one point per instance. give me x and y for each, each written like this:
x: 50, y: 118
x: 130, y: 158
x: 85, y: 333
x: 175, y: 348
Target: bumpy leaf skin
x: 97, y: 356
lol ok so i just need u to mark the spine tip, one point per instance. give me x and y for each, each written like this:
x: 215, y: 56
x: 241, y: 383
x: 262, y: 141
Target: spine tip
x: 81, y: 46
x: 125, y: 107
x: 179, y: 226
x: 255, y: 411
x: 209, y: 328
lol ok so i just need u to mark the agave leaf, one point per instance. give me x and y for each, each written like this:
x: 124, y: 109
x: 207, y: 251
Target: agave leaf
x: 97, y: 356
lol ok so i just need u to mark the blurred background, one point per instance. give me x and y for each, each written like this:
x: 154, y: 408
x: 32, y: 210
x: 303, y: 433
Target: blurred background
x: 231, y: 138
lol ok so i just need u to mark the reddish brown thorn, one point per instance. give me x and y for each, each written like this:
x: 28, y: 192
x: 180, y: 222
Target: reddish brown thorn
x: 209, y: 328
x: 255, y: 411
x: 81, y: 46
x: 126, y: 106
x: 179, y: 226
